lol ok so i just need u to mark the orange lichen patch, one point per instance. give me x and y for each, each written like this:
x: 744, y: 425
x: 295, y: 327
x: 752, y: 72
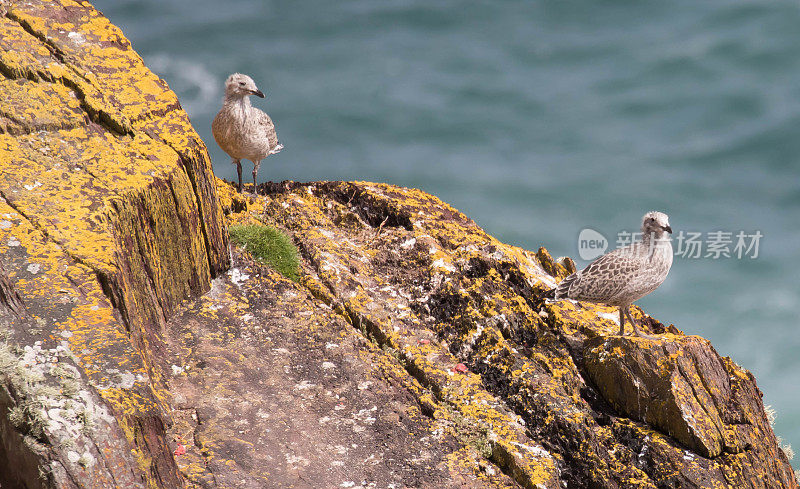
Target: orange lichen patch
x: 466, y: 464
x: 82, y: 316
x: 93, y: 213
x: 114, y: 87
x: 129, y: 402
x: 38, y: 185
x: 21, y: 55
x: 587, y: 318
x: 88, y: 54
x: 41, y: 271
x: 234, y: 204
x: 29, y: 107
x: 110, y: 75
x: 69, y: 308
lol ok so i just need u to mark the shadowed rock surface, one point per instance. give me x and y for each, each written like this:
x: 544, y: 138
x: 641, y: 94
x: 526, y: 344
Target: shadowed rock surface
x: 135, y: 351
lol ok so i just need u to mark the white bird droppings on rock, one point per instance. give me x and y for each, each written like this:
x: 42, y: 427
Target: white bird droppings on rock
x: 304, y: 385
x: 237, y: 277
x: 610, y: 316
x: 297, y: 460
x: 408, y: 243
x: 441, y: 264
x: 127, y: 380
x: 76, y: 37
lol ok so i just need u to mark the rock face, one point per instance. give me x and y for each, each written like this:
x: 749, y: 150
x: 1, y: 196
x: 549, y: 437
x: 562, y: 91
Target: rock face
x: 562, y: 399
x: 108, y: 220
x: 411, y: 352
x: 682, y: 387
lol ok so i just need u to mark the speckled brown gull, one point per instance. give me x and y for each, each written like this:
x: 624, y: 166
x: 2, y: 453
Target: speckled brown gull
x: 624, y: 275
x: 243, y: 131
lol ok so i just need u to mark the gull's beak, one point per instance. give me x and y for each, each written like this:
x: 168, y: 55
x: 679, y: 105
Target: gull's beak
x: 668, y: 229
x: 258, y: 93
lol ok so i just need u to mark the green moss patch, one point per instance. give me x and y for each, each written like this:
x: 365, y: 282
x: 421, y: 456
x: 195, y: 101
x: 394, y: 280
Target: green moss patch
x: 269, y: 246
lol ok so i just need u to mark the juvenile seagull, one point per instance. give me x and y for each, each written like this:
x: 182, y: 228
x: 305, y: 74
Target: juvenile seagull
x: 243, y: 131
x: 624, y: 275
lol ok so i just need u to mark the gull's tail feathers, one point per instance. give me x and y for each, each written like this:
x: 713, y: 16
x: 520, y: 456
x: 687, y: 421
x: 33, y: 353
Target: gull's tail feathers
x: 277, y: 149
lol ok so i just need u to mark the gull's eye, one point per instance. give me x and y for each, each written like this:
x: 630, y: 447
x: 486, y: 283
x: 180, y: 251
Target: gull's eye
x: 241, y: 84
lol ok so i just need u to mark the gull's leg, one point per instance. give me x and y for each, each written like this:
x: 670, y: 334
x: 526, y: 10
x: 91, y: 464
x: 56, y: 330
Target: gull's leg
x: 255, y: 176
x: 633, y: 321
x: 622, y: 321
x: 635, y: 329
x: 238, y: 164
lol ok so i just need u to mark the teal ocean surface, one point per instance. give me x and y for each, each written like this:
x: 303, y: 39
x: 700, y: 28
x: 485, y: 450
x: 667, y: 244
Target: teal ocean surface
x: 539, y: 119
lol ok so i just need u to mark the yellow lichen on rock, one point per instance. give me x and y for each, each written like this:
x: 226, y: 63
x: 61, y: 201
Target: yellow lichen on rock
x: 108, y: 213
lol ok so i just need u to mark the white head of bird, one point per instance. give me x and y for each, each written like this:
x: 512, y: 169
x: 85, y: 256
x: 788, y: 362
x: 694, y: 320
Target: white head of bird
x: 655, y: 224
x: 238, y: 86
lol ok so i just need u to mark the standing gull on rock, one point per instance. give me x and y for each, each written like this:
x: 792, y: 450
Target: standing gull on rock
x: 243, y: 131
x: 624, y: 275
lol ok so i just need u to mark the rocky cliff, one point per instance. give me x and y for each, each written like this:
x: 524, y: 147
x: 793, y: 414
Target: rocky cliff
x: 108, y: 220
x: 137, y: 352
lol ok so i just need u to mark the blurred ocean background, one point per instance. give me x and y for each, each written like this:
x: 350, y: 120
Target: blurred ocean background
x: 538, y: 119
